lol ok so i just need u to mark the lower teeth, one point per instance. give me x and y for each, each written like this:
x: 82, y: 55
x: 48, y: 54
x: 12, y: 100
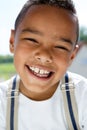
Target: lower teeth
x: 40, y: 75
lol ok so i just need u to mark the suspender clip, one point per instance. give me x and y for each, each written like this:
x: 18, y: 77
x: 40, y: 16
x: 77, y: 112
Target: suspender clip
x: 67, y: 86
x: 12, y: 93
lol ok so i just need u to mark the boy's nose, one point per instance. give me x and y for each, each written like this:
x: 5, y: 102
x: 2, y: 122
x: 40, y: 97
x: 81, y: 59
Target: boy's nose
x: 44, y: 57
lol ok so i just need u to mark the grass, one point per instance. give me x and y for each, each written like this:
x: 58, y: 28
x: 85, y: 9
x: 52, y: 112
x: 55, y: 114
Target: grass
x: 7, y: 70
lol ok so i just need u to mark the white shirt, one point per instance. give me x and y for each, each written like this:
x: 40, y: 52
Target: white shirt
x: 48, y: 114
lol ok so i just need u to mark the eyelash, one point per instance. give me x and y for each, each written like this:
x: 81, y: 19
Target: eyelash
x: 31, y: 39
x: 61, y: 47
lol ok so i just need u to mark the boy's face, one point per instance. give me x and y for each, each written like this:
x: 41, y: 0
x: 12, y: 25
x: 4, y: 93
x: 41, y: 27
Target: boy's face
x: 43, y: 47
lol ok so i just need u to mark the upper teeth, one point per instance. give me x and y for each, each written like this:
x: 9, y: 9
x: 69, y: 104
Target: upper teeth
x: 40, y: 71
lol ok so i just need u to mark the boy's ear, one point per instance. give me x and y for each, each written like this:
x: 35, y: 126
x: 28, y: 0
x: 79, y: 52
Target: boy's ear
x: 11, y: 41
x: 74, y: 53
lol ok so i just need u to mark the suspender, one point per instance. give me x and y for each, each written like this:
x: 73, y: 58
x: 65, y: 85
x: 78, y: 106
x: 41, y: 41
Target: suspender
x: 12, y: 106
x: 70, y: 106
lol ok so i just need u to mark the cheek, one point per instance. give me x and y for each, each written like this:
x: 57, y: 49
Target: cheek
x: 21, y: 52
x: 62, y: 62
x: 62, y: 58
x: 19, y: 58
x: 18, y: 61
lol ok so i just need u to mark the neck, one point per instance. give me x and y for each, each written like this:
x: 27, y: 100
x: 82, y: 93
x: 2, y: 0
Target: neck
x: 38, y: 96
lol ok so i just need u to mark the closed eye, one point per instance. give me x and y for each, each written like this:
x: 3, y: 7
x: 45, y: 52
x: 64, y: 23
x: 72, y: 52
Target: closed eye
x: 61, y: 47
x: 31, y: 39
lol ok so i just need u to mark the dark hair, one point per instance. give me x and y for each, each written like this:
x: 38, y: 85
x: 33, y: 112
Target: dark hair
x: 65, y: 4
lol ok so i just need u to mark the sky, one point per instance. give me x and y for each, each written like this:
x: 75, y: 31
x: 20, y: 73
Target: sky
x: 9, y: 10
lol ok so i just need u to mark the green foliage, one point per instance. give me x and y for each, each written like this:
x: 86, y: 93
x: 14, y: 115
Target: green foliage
x: 83, y: 34
x: 7, y: 70
x: 6, y: 59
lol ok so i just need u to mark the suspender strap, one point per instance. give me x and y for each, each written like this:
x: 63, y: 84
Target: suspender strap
x: 70, y: 106
x: 12, y: 106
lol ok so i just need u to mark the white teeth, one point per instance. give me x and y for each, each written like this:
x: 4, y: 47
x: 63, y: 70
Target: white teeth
x: 36, y: 70
x: 32, y: 68
x: 39, y: 71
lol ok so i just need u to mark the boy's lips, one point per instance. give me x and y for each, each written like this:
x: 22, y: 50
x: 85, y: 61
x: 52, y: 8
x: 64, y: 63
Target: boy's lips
x: 39, y: 72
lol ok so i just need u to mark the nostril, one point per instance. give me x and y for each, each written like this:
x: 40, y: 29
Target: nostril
x: 43, y: 59
x: 38, y: 58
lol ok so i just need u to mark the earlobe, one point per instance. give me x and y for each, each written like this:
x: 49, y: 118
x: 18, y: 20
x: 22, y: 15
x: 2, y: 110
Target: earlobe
x: 11, y: 41
x: 76, y: 49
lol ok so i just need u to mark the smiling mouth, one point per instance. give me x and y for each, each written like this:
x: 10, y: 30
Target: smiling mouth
x: 41, y: 73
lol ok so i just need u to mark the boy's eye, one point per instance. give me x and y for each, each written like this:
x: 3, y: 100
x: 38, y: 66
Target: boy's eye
x: 31, y: 40
x: 62, y: 48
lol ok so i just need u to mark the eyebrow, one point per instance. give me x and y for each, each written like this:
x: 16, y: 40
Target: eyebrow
x: 32, y: 30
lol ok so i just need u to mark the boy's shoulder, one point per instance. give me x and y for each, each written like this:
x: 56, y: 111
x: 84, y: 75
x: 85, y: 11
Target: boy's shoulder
x: 78, y: 80
x: 76, y: 77
x: 5, y: 85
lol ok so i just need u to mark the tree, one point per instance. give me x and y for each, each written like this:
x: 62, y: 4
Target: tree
x: 83, y: 34
x: 6, y: 59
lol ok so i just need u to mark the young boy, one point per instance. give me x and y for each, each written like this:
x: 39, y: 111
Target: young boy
x: 44, y: 44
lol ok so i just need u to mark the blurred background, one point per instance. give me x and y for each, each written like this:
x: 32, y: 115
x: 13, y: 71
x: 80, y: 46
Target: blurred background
x: 8, y: 13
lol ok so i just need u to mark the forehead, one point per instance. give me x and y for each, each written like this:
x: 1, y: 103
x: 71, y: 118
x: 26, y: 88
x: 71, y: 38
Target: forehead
x: 49, y: 18
x: 49, y: 11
